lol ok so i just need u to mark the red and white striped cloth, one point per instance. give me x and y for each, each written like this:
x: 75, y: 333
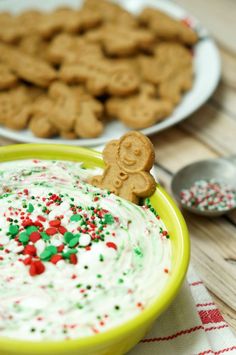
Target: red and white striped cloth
x: 192, y: 325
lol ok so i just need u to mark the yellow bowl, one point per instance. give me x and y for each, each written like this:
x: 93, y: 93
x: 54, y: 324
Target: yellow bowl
x: 121, y: 338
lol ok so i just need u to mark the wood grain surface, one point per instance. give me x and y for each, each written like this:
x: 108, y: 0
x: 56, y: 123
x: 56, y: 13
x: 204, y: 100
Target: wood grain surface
x: 209, y: 133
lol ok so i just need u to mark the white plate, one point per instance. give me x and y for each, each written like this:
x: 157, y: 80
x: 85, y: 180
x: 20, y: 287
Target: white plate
x: 206, y: 64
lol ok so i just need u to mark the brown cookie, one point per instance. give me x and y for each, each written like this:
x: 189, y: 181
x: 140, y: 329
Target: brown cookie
x: 11, y: 29
x: 40, y: 123
x: 75, y: 111
x: 27, y: 67
x: 128, y: 162
x: 28, y: 20
x: 7, y: 78
x: 179, y: 83
x: 68, y: 20
x: 15, y: 109
x: 88, y: 123
x: 68, y: 48
x: 166, y: 27
x: 141, y: 110
x: 101, y: 76
x: 121, y: 41
x: 64, y: 108
x: 111, y: 12
x: 34, y: 45
x: 171, y: 69
x: 68, y: 135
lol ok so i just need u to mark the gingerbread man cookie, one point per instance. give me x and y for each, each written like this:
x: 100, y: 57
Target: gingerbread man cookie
x: 100, y: 76
x: 121, y: 41
x: 75, y: 111
x: 166, y: 27
x: 7, y: 78
x: 141, y: 110
x: 128, y: 162
x: 27, y: 67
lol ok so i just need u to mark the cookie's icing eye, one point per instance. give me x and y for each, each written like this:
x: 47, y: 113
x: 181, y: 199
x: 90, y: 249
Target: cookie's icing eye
x: 137, y: 151
x: 127, y: 144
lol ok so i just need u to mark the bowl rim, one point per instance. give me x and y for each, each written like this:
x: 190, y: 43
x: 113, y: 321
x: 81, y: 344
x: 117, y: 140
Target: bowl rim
x: 47, y: 151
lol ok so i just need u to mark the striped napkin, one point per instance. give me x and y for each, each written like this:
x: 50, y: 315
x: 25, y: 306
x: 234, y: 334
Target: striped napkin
x: 192, y: 325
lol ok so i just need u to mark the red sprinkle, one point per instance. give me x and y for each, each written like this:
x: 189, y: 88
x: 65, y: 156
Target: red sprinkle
x: 55, y: 223
x: 55, y: 258
x: 51, y: 231
x: 27, y: 261
x: 30, y: 250
x: 73, y: 259
x: 62, y: 230
x: 36, y: 268
x: 41, y: 218
x: 35, y: 236
x: 60, y: 248
x: 27, y: 222
x: 111, y: 245
x: 38, y: 224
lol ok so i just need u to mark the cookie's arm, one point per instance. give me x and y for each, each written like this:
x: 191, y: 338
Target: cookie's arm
x: 96, y: 180
x: 144, y: 184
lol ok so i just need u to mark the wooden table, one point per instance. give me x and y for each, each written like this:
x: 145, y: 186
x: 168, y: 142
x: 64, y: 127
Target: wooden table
x: 209, y: 133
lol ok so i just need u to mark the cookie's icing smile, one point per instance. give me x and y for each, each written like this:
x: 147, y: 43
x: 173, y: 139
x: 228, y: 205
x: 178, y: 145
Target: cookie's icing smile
x: 129, y: 161
x: 74, y: 260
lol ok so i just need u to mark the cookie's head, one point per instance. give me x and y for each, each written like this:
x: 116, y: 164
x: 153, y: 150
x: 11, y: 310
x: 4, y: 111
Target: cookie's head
x: 135, y: 153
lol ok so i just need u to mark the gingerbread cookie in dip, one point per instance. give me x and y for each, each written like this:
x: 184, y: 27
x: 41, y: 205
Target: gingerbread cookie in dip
x: 75, y: 259
x: 128, y: 162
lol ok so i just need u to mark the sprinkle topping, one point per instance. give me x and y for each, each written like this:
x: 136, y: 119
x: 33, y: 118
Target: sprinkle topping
x: 74, y: 260
x: 209, y: 195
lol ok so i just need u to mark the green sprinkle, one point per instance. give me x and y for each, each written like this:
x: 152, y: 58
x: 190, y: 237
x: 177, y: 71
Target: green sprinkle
x: 44, y: 236
x: 138, y: 251
x: 45, y: 255
x: 72, y: 251
x: 79, y: 285
x: 30, y: 208
x: 101, y: 257
x: 73, y: 242
x: 13, y: 229
x: 67, y: 254
x: 31, y: 229
x: 48, y: 252
x: 52, y: 249
x: 24, y: 238
x: 79, y: 306
x: 120, y: 281
x: 108, y: 219
x: 75, y: 217
x: 68, y: 236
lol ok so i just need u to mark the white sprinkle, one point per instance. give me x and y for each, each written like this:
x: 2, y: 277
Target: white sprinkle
x: 56, y: 241
x: 84, y: 240
x: 40, y: 246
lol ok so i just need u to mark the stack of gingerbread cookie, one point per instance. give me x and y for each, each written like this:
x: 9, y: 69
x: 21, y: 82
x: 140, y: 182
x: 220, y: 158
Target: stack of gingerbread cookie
x: 70, y: 71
